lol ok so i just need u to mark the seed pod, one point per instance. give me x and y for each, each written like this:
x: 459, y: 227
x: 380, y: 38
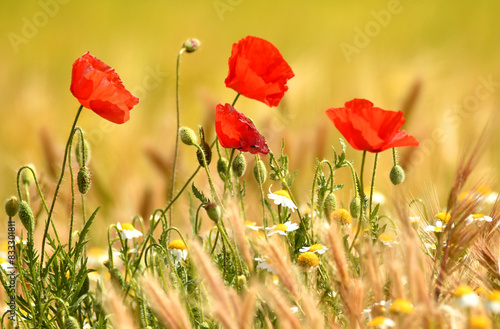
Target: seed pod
x: 82, y: 152
x: 26, y: 216
x: 239, y: 165
x: 397, y: 175
x: 213, y: 211
x: 330, y: 205
x: 222, y: 165
x: 71, y: 323
x: 83, y: 179
x: 260, y: 172
x: 208, y: 154
x: 188, y: 136
x: 355, y: 207
x: 11, y: 206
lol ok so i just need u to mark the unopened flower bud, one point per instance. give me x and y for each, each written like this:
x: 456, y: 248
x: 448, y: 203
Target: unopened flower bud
x: 191, y: 45
x: 213, y: 211
x: 27, y: 176
x: 83, y: 179
x: 82, y: 152
x: 11, y: 206
x: 329, y: 205
x: 71, y: 323
x: 397, y: 175
x: 208, y: 154
x: 222, y: 165
x: 355, y: 207
x: 260, y: 172
x: 26, y: 216
x: 188, y: 136
x: 117, y: 277
x: 239, y: 165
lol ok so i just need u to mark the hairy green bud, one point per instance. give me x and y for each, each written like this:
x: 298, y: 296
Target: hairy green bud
x: 26, y: 216
x: 260, y: 172
x: 355, y: 207
x: 117, y: 277
x: 11, y: 206
x: 329, y: 205
x: 397, y: 175
x: 83, y: 179
x: 82, y: 152
x: 214, y: 211
x: 239, y: 165
x: 188, y: 136
x: 27, y: 176
x: 208, y: 154
x: 222, y: 165
x: 71, y: 323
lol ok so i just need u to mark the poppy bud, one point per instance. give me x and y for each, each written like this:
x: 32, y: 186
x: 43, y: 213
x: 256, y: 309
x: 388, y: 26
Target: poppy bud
x: 82, y: 152
x: 26, y: 216
x: 191, y: 45
x: 188, y: 136
x: 11, y: 206
x: 260, y: 172
x: 330, y: 205
x: 71, y: 323
x: 83, y: 179
x: 208, y: 154
x: 213, y: 211
x: 222, y: 165
x: 27, y: 176
x: 239, y: 165
x: 117, y: 276
x: 355, y: 207
x: 397, y: 175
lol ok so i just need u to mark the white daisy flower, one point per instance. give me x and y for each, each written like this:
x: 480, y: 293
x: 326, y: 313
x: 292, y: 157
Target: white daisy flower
x: 317, y: 248
x: 282, y: 198
x: 381, y: 322
x: 491, y: 198
x: 17, y: 240
x: 439, y: 227
x: 283, y: 229
x: 265, y: 266
x: 5, y: 264
x: 178, y: 249
x: 387, y: 239
x: 253, y: 226
x: 493, y: 303
x: 294, y: 309
x: 478, y: 218
x: 128, y: 231
x: 466, y: 297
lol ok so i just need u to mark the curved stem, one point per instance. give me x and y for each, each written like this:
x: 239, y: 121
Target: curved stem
x: 362, y: 197
x: 354, y: 181
x: 177, y: 106
x: 49, y: 218
x: 210, y: 181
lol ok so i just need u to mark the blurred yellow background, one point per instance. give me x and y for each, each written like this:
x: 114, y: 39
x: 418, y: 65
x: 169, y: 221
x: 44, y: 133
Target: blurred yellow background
x: 338, y: 50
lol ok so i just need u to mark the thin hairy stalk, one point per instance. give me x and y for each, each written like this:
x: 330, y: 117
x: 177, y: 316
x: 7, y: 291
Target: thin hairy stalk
x: 362, y: 197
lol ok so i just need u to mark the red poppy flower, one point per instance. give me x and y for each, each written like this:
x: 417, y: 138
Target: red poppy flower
x: 98, y: 87
x: 236, y: 131
x: 369, y: 128
x: 258, y: 71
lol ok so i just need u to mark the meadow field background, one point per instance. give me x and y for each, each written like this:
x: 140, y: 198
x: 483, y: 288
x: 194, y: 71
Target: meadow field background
x: 444, y: 53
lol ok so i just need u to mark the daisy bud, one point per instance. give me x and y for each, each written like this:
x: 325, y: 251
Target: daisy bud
x: 71, y: 323
x: 222, y: 165
x: 188, y: 136
x: 82, y: 152
x: 83, y: 179
x: 27, y: 176
x: 397, y: 175
x: 239, y: 165
x: 213, y: 211
x: 330, y: 205
x: 191, y: 45
x: 260, y: 172
x: 355, y: 207
x: 117, y: 277
x: 11, y: 206
x: 207, y: 151
x: 26, y: 216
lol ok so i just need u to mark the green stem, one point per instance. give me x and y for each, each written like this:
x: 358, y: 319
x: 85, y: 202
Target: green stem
x: 375, y: 162
x: 262, y: 197
x: 227, y: 179
x: 354, y: 181
x: 362, y: 197
x: 72, y: 216
x: 235, y: 99
x: 49, y: 218
x: 177, y: 106
x: 394, y: 158
x: 210, y: 181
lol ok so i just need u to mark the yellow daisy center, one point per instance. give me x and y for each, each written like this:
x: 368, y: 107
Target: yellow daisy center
x: 484, y: 190
x: 177, y: 244
x: 494, y: 296
x: 462, y: 291
x: 308, y: 259
x: 443, y: 216
x: 385, y: 237
x: 377, y: 322
x: 127, y: 227
x: 2, y: 260
x: 248, y: 223
x: 315, y: 247
x: 479, y: 322
x: 281, y: 227
x: 401, y: 305
x: 342, y: 216
x: 477, y: 216
x: 283, y: 193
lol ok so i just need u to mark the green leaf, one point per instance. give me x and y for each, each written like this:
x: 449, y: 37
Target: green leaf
x: 374, y: 212
x: 199, y: 195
